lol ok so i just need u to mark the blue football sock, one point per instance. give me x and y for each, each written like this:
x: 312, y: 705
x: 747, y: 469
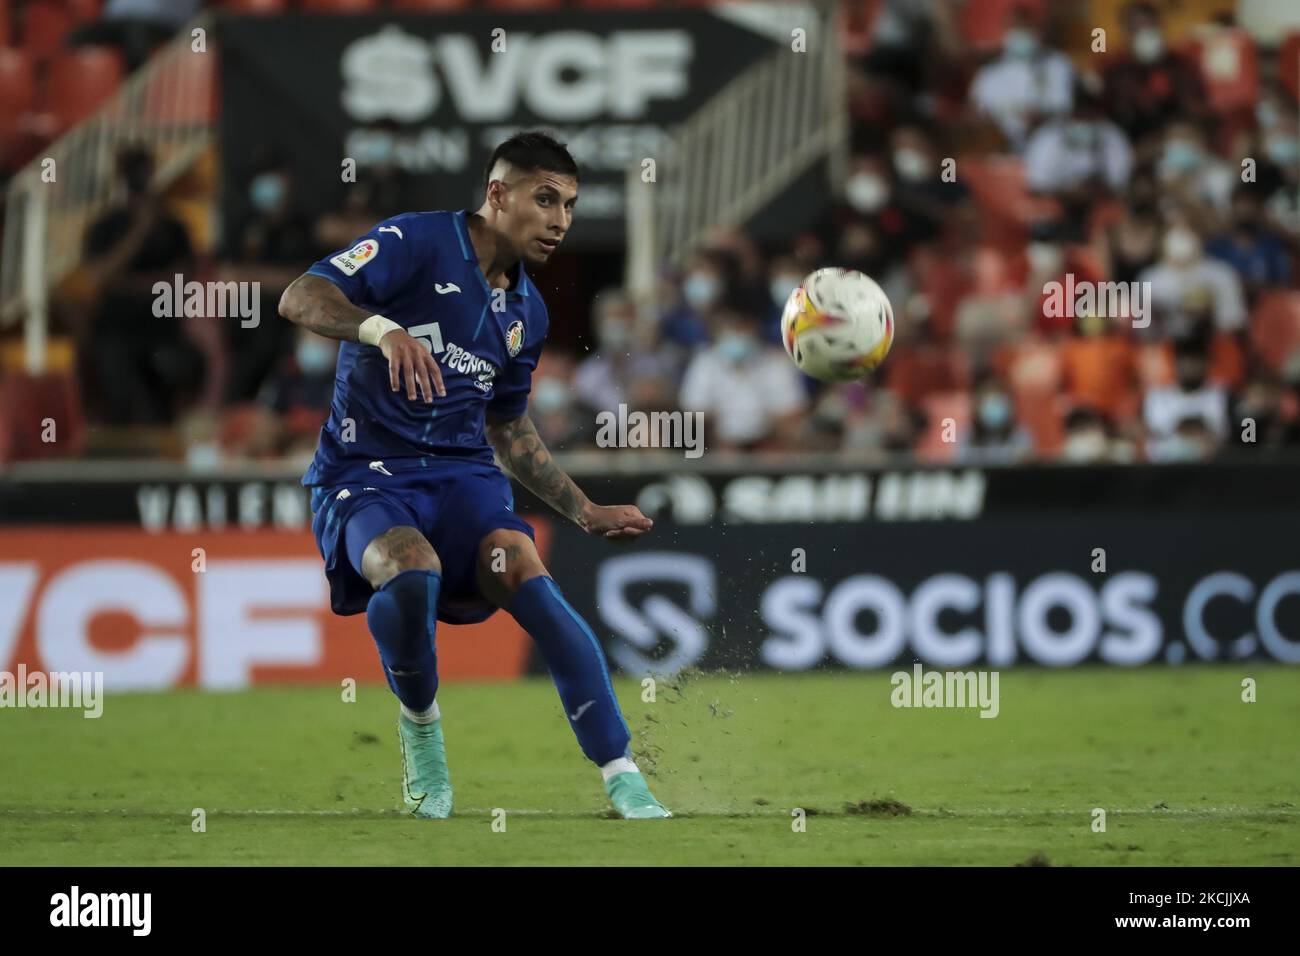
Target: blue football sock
x: 402, y: 616
x: 577, y: 666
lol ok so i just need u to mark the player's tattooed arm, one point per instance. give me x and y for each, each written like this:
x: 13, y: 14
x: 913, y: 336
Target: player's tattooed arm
x: 319, y: 305
x: 527, y: 458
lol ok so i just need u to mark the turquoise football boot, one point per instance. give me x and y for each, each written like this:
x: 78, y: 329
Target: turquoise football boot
x: 426, y: 782
x: 632, y: 797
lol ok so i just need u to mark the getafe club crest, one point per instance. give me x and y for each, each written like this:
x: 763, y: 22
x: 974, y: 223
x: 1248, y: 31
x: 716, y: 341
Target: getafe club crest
x: 515, y: 338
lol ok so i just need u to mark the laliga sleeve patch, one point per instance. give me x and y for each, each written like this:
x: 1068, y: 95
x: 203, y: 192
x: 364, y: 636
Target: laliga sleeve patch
x: 363, y: 253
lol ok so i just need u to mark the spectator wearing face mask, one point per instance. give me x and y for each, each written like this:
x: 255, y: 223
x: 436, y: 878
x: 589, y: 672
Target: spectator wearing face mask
x: 1078, y: 158
x: 1147, y: 84
x: 1185, y: 281
x: 1088, y: 439
x: 1191, y: 441
x: 704, y: 285
x: 784, y: 277
x: 1026, y: 84
x: 1133, y: 241
x: 623, y: 356
x: 269, y: 248
x: 1192, y: 175
x: 1250, y: 246
x: 928, y: 199
x: 994, y: 437
x: 1191, y: 396
x: 750, y: 393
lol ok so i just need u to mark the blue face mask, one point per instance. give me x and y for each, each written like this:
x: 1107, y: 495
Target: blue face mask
x: 1282, y: 150
x: 1020, y: 43
x: 315, y: 357
x: 700, y: 289
x: 1180, y: 156
x: 550, y: 396
x: 995, y: 411
x: 735, y: 347
x: 781, y: 286
x: 266, y: 192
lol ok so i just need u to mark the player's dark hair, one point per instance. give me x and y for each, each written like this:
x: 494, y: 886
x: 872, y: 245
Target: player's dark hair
x: 531, y: 151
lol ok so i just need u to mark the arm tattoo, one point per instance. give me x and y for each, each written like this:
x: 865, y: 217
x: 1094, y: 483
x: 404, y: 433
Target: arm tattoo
x: 317, y: 304
x: 525, y: 456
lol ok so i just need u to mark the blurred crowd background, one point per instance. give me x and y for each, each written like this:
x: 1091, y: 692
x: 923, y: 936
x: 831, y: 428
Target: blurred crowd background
x: 994, y: 150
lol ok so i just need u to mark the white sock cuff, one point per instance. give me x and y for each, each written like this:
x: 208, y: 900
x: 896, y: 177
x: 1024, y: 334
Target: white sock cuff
x: 424, y: 717
x: 615, y: 767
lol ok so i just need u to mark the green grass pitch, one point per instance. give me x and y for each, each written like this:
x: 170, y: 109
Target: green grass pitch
x: 1187, y: 772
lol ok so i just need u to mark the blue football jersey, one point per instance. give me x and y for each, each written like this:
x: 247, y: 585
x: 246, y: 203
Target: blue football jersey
x: 420, y: 271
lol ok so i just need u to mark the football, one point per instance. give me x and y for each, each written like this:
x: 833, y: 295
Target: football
x: 837, y: 325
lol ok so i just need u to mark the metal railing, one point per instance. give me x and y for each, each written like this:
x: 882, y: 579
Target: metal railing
x: 167, y: 107
x: 740, y: 150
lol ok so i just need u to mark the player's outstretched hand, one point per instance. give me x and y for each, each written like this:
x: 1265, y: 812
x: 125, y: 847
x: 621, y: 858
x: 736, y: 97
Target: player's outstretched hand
x: 412, y: 363
x: 616, y: 522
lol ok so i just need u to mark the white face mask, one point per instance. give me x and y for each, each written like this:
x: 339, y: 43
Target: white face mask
x: 866, y: 192
x: 1181, y: 246
x: 1045, y: 257
x: 911, y: 163
x: 1148, y: 44
x: 701, y: 290
x: 1020, y: 43
x: 1087, y: 445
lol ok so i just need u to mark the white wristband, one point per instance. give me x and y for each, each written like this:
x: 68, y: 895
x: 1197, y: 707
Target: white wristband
x: 375, y: 328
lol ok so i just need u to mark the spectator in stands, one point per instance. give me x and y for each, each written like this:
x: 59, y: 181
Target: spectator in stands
x: 1028, y: 83
x: 626, y: 367
x: 927, y: 197
x: 1191, y: 440
x: 1089, y: 439
x: 1262, y: 417
x: 145, y: 368
x: 994, y: 436
x: 1133, y: 241
x: 1099, y: 366
x: 1251, y: 246
x: 1079, y: 158
x: 1147, y: 84
x: 269, y: 248
x: 705, y: 283
x: 1192, y: 396
x: 750, y: 393
x: 552, y: 408
x: 994, y: 310
x: 135, y: 26
x: 1197, y: 180
x: 783, y: 277
x: 1185, y: 284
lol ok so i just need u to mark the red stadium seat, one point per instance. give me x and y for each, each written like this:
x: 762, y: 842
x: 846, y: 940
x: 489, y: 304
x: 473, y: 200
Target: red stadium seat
x: 982, y: 22
x: 46, y: 24
x: 340, y: 6
x: 80, y: 81
x: 84, y: 10
x: 1275, y: 327
x: 434, y: 6
x: 257, y: 6
x: 26, y: 402
x: 1288, y: 64
x: 17, y: 95
x: 1229, y: 68
x: 5, y: 16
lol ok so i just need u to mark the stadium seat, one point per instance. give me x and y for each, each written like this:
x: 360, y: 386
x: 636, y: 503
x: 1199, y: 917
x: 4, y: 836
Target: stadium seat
x: 1229, y: 68
x: 17, y: 95
x: 5, y: 16
x: 26, y: 401
x: 84, y: 10
x: 982, y: 22
x: 1288, y: 64
x: 80, y: 81
x: 1275, y: 327
x: 46, y: 24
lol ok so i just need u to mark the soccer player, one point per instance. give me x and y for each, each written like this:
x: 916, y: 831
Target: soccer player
x: 441, y: 329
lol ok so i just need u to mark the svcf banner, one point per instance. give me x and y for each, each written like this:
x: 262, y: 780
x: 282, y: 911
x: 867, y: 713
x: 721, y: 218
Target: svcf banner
x: 430, y: 96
